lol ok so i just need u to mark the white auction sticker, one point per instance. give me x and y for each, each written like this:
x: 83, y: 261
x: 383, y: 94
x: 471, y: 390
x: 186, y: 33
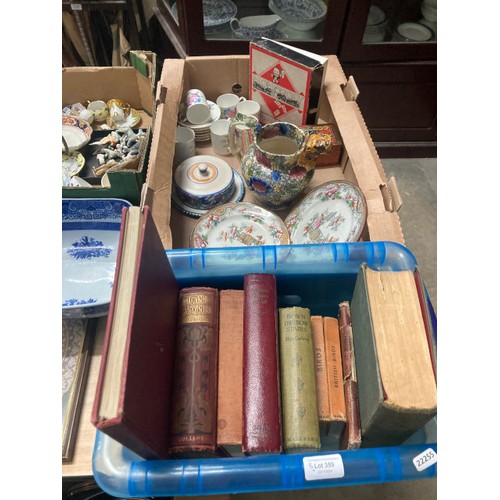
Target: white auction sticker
x: 323, y: 467
x: 425, y: 459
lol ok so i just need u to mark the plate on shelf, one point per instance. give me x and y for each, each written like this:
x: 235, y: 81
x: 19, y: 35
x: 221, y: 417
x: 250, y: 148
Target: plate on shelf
x: 72, y: 164
x: 218, y: 13
x: 238, y: 225
x: 412, y: 32
x: 238, y: 194
x: 76, y: 132
x: 334, y: 212
x: 90, y: 234
x: 131, y: 120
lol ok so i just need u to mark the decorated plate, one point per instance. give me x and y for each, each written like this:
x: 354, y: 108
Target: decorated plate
x: 238, y: 225
x: 218, y: 12
x: 131, y: 120
x: 90, y: 234
x: 238, y: 194
x: 76, y: 132
x: 333, y: 212
x: 72, y: 164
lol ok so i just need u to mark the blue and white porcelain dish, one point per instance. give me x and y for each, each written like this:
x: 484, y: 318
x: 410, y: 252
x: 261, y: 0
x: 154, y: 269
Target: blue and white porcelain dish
x: 90, y: 235
x: 217, y: 14
x: 300, y: 15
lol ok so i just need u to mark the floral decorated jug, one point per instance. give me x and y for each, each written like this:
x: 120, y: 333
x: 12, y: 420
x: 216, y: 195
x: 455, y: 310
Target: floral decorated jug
x: 279, y: 164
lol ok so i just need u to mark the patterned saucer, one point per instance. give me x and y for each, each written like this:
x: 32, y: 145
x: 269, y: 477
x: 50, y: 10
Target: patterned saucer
x: 333, y: 212
x: 238, y: 194
x: 238, y: 225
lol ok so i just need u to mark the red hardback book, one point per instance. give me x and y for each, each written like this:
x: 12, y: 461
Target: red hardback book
x: 261, y: 389
x: 132, y: 397
x: 193, y: 423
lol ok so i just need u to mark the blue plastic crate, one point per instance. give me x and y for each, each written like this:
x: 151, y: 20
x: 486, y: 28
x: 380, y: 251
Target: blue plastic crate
x: 315, y: 276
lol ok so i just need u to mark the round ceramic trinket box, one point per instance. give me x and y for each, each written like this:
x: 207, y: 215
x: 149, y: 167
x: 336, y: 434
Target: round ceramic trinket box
x: 204, y: 182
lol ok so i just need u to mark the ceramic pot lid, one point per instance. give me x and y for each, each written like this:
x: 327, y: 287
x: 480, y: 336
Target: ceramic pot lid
x: 203, y: 175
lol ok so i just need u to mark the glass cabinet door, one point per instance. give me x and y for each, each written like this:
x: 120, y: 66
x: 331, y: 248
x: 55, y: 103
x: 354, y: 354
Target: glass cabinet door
x: 390, y: 30
x: 227, y: 26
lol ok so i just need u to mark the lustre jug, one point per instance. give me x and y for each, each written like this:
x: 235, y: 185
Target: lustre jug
x: 279, y: 164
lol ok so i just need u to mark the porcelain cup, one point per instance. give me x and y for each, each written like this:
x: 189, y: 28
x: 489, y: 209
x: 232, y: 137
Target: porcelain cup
x: 87, y: 115
x: 219, y: 135
x: 100, y: 110
x: 254, y: 26
x: 184, y: 144
x: 118, y: 110
x: 227, y: 104
x: 196, y: 107
x: 249, y: 107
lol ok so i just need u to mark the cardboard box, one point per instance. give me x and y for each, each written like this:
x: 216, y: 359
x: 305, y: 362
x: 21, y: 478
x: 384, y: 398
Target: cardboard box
x: 215, y: 75
x: 82, y: 84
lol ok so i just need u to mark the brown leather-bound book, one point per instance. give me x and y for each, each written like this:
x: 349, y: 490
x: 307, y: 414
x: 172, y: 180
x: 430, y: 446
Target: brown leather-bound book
x: 230, y: 378
x: 132, y: 397
x: 193, y: 422
x: 261, y: 389
x: 335, y: 380
x: 351, y: 437
x: 320, y: 373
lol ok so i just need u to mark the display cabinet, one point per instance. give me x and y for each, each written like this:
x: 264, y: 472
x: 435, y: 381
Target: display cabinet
x: 390, y: 48
x: 203, y: 27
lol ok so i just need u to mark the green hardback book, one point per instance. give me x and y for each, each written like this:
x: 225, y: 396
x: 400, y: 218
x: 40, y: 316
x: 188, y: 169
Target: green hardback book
x: 298, y: 385
x: 397, y: 388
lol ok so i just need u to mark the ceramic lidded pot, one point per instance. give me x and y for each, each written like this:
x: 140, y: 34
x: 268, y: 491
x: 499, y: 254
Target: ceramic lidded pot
x: 280, y: 163
x: 204, y: 181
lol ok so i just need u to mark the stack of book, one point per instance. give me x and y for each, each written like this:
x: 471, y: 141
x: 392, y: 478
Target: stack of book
x: 228, y: 372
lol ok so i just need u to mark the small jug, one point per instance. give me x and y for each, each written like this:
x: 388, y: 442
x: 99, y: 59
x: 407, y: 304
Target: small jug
x: 279, y: 163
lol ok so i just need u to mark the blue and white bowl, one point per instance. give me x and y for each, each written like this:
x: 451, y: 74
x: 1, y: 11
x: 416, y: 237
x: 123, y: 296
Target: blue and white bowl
x: 90, y: 235
x: 300, y: 15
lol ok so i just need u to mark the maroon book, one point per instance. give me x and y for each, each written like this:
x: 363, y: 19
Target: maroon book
x: 261, y: 390
x: 132, y: 397
x: 193, y: 424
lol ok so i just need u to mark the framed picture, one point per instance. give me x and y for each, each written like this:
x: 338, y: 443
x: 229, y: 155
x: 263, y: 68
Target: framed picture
x: 77, y: 338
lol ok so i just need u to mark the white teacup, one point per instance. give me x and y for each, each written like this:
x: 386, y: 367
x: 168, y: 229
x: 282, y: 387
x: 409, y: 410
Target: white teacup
x: 184, y: 144
x: 227, y: 104
x: 87, y: 115
x: 249, y: 107
x: 100, y: 110
x: 196, y: 106
x: 219, y: 134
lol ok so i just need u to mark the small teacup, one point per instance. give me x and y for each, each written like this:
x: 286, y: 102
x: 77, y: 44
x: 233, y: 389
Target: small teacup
x: 227, y: 104
x: 184, y: 144
x: 249, y: 107
x: 87, y: 115
x: 100, y: 110
x: 196, y: 106
x: 254, y: 26
x: 118, y: 110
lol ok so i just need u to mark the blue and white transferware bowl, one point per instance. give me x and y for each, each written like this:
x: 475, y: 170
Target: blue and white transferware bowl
x: 90, y: 234
x: 300, y: 15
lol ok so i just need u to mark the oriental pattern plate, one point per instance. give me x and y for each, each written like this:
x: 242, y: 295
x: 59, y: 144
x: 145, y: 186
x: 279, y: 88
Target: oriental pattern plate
x: 332, y: 213
x: 238, y: 225
x: 90, y: 234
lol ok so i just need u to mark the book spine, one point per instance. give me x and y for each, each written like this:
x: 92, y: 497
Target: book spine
x: 334, y: 369
x: 230, y: 374
x: 298, y: 386
x: 320, y: 368
x: 194, y: 399
x: 351, y: 438
x: 261, y: 388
